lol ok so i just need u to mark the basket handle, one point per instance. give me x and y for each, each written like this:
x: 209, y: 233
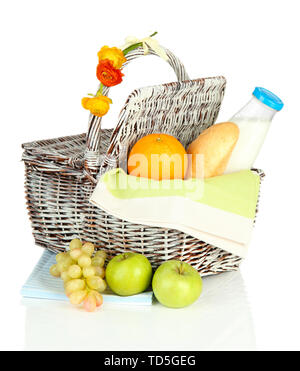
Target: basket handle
x: 92, y: 153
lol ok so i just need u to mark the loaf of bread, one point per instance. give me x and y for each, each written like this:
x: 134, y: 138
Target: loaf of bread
x: 215, y: 144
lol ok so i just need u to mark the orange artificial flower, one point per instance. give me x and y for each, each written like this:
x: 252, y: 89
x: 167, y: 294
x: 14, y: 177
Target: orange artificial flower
x: 98, y: 106
x: 107, y: 74
x: 114, y: 55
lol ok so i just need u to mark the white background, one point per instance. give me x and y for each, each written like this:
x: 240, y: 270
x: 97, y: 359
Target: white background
x: 48, y: 60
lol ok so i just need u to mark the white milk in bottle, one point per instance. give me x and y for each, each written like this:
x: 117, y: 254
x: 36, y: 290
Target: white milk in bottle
x: 254, y: 121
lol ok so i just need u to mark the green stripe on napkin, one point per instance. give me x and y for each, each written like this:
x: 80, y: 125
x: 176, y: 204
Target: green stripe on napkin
x: 236, y: 193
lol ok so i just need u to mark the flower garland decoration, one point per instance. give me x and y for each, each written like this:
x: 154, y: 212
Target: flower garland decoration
x: 109, y: 70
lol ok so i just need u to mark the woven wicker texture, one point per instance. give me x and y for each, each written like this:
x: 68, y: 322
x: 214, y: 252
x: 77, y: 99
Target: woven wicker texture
x: 61, y: 174
x: 94, y: 131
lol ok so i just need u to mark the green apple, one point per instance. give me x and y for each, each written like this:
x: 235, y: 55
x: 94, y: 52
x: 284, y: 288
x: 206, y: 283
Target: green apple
x: 176, y: 284
x: 128, y: 274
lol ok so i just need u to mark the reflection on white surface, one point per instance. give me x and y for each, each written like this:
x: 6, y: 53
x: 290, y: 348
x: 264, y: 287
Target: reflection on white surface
x: 221, y: 319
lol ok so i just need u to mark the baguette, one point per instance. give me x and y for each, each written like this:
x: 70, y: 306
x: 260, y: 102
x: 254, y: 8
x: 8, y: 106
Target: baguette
x: 216, y: 145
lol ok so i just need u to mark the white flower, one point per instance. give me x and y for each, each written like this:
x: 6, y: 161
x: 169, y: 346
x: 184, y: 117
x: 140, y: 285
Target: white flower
x: 147, y: 43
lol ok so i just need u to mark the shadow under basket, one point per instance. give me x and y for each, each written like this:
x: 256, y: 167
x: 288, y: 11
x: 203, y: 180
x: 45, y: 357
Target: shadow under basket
x: 61, y: 174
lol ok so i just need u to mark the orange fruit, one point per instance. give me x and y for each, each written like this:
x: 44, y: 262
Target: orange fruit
x: 158, y: 156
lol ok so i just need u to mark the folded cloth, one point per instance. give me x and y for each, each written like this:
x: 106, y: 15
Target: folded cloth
x: 41, y: 285
x: 219, y: 211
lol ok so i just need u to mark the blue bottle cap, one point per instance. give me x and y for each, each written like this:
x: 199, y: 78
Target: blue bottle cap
x: 268, y: 98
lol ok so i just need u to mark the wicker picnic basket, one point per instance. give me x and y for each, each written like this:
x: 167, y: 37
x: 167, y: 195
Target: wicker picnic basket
x: 61, y: 173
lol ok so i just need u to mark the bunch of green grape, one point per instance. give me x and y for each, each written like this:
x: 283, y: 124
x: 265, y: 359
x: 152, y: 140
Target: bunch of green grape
x: 82, y: 270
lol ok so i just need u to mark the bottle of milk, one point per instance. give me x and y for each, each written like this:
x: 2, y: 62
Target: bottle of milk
x: 253, y: 120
